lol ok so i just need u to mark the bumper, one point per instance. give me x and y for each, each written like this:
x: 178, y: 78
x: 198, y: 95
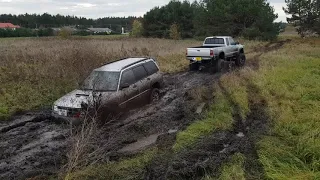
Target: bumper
x: 205, y: 59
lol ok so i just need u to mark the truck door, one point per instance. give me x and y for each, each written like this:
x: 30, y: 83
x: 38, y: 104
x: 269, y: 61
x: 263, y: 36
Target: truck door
x: 228, y: 49
x: 233, y: 46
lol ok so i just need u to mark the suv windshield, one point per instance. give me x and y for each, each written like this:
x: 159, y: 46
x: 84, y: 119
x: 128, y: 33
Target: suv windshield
x: 102, y: 81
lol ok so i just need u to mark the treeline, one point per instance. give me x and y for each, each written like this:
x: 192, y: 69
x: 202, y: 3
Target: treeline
x: 252, y: 19
x: 305, y: 16
x: 46, y: 20
x: 26, y: 32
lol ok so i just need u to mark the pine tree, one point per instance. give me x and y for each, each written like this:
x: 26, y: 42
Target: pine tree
x: 305, y: 15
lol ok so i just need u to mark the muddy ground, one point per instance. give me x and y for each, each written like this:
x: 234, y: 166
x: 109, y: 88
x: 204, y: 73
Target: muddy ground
x: 210, y: 153
x: 37, y: 144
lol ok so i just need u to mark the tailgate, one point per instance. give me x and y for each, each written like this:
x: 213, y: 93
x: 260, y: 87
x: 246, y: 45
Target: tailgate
x: 198, y: 52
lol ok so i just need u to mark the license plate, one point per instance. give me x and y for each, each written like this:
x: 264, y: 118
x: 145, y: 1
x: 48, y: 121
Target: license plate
x: 197, y: 58
x: 63, y: 112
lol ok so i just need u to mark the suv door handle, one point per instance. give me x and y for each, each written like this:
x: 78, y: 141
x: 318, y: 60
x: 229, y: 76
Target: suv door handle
x: 148, y: 79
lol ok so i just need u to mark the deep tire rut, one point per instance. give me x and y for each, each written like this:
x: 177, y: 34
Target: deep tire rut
x: 211, y: 152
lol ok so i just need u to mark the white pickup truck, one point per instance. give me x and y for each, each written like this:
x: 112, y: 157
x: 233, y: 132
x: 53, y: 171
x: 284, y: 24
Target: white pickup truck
x: 215, y: 50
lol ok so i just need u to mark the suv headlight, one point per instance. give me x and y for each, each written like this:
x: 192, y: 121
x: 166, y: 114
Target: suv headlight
x: 55, y: 108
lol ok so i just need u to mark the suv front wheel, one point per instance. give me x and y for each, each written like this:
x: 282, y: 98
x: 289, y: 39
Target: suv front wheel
x: 155, y: 95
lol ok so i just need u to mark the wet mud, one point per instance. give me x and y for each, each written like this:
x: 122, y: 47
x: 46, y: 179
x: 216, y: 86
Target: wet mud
x: 36, y: 144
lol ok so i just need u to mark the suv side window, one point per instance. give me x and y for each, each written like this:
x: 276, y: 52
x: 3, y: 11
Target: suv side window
x: 231, y: 41
x: 151, y: 67
x: 127, y: 77
x: 227, y: 39
x: 139, y: 72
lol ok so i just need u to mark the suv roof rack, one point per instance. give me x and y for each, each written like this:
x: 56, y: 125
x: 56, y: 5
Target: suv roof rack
x: 144, y: 58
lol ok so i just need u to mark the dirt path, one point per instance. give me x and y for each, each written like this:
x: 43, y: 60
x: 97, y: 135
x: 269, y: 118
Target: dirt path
x: 36, y: 144
x: 207, y: 156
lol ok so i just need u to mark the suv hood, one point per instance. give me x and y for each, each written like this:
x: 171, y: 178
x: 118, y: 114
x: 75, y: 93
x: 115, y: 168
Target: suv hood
x: 75, y: 98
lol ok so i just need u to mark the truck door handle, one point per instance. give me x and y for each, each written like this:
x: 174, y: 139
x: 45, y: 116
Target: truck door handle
x: 148, y: 79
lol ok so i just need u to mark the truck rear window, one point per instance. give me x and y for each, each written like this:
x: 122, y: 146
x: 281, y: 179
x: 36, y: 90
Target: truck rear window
x: 214, y: 41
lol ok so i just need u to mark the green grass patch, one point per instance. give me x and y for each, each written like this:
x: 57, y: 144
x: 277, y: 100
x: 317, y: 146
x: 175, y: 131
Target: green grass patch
x: 218, y: 117
x: 290, y: 82
x: 232, y: 170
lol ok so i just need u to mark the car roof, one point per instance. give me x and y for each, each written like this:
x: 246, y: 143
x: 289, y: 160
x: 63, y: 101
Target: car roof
x: 121, y: 64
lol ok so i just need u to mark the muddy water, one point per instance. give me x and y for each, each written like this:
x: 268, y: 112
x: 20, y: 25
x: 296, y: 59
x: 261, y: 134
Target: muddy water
x: 36, y: 144
x: 31, y: 145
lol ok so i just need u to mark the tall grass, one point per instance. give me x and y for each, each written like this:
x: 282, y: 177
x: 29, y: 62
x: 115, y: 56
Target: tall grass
x: 288, y: 80
x: 291, y: 84
x: 36, y: 71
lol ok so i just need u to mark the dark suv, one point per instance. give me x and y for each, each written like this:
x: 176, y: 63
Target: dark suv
x: 120, y: 85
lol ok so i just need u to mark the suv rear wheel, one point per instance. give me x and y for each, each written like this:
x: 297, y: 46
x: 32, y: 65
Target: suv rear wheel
x: 155, y: 95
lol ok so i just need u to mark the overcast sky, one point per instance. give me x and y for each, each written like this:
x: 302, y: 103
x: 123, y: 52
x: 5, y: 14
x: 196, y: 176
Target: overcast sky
x: 96, y: 8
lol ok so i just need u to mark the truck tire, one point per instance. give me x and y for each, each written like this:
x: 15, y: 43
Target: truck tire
x: 193, y: 66
x: 240, y: 60
x: 217, y: 65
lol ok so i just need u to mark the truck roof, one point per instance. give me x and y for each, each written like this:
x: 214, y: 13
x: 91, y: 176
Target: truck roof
x: 218, y: 37
x: 121, y: 64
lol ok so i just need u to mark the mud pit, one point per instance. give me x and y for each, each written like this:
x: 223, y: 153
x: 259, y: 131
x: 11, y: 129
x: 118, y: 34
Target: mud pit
x: 32, y: 145
x: 37, y: 145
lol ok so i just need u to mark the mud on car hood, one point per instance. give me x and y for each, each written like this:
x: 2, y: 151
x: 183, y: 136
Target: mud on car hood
x: 76, y: 98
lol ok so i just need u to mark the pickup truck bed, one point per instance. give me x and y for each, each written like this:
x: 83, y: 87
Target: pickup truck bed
x: 205, y: 47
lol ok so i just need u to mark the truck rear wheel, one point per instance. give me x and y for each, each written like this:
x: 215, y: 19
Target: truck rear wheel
x: 217, y: 65
x: 241, y: 60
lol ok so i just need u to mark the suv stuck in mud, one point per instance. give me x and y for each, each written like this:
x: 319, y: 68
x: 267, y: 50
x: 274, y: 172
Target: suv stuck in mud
x: 114, y: 87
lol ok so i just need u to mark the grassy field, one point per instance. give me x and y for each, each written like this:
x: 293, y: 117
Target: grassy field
x: 281, y: 77
x: 286, y: 79
x: 36, y: 71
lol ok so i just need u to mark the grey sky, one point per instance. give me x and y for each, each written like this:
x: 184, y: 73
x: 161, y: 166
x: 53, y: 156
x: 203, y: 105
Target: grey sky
x: 96, y: 8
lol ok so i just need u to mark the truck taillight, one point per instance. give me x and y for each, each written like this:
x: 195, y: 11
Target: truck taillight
x: 211, y: 52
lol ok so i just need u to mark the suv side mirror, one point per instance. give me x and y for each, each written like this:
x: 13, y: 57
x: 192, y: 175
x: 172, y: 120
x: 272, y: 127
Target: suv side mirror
x: 124, y: 86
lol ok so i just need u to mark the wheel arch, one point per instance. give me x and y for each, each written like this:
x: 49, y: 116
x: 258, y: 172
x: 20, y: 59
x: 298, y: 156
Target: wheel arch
x: 222, y: 55
x: 156, y: 85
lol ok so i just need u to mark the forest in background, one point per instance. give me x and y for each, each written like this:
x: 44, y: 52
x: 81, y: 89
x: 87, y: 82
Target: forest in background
x: 251, y: 19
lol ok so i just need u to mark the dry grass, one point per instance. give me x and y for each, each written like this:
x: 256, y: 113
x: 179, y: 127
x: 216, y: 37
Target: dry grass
x: 36, y: 71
